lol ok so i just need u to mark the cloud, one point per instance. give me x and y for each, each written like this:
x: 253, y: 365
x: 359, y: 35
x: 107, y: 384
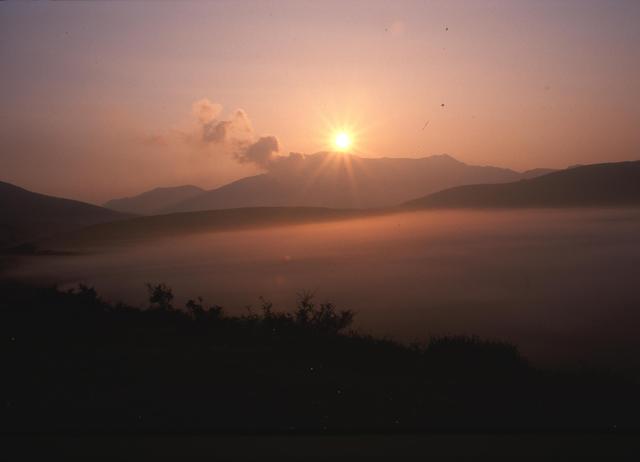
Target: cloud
x: 237, y: 129
x: 231, y: 136
x: 206, y: 111
x: 235, y: 134
x: 263, y: 152
x: 215, y: 132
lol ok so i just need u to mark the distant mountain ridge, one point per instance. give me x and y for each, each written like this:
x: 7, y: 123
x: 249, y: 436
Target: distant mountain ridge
x: 26, y: 215
x: 608, y: 184
x: 536, y: 172
x: 614, y: 184
x: 340, y: 181
x: 154, y: 201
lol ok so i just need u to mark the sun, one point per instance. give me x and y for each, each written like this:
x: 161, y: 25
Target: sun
x: 340, y: 134
x: 342, y: 141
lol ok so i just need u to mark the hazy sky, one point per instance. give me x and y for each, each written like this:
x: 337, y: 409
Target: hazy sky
x: 97, y: 98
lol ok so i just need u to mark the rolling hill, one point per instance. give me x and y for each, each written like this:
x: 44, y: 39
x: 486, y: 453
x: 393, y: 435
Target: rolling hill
x: 25, y: 215
x: 151, y: 227
x: 610, y: 184
x: 592, y: 185
x: 152, y: 202
x: 339, y: 181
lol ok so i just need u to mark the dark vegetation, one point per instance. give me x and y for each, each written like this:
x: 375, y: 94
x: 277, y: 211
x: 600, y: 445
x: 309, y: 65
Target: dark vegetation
x: 78, y: 363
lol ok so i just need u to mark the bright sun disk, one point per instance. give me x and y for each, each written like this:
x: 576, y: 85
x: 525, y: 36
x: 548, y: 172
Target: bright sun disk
x: 342, y: 141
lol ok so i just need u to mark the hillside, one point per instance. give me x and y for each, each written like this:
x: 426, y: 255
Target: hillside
x: 346, y: 181
x: 149, y: 227
x: 611, y: 184
x: 151, y: 202
x: 81, y: 364
x: 25, y: 215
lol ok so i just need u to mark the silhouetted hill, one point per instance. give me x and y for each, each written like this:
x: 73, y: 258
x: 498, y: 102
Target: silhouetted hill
x: 611, y: 184
x: 26, y: 215
x: 75, y: 363
x: 536, y: 172
x: 149, y: 227
x: 153, y: 201
x: 345, y: 181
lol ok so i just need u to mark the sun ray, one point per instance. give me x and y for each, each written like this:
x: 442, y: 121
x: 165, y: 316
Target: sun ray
x: 342, y: 134
x: 353, y: 187
x: 326, y: 161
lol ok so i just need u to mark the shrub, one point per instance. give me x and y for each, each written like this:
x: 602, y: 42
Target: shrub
x: 325, y: 318
x: 199, y: 312
x: 160, y: 297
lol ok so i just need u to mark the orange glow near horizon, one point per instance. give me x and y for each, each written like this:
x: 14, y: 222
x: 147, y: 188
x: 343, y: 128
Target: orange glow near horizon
x: 519, y: 85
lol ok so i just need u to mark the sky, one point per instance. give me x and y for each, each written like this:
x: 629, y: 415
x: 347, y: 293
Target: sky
x: 105, y: 99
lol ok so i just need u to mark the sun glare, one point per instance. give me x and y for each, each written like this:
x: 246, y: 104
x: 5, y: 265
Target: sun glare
x: 342, y: 141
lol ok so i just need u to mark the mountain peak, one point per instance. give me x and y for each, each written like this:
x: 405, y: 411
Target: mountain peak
x: 150, y: 202
x: 444, y: 158
x: 342, y: 180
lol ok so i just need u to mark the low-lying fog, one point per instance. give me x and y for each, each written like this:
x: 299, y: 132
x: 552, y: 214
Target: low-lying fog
x: 561, y: 284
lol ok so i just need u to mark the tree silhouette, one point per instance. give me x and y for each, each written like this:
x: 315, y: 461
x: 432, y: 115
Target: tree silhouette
x: 160, y: 297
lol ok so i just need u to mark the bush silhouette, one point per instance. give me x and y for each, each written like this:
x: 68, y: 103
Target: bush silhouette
x: 78, y: 362
x: 198, y: 311
x: 325, y: 318
x: 160, y: 297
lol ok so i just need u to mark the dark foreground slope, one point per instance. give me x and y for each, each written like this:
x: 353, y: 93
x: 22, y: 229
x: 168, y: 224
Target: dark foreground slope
x: 611, y: 184
x: 76, y: 363
x: 26, y: 215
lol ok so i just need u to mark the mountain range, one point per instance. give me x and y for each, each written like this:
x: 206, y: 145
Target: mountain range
x: 326, y: 180
x: 610, y: 184
x: 154, y: 201
x: 25, y: 215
